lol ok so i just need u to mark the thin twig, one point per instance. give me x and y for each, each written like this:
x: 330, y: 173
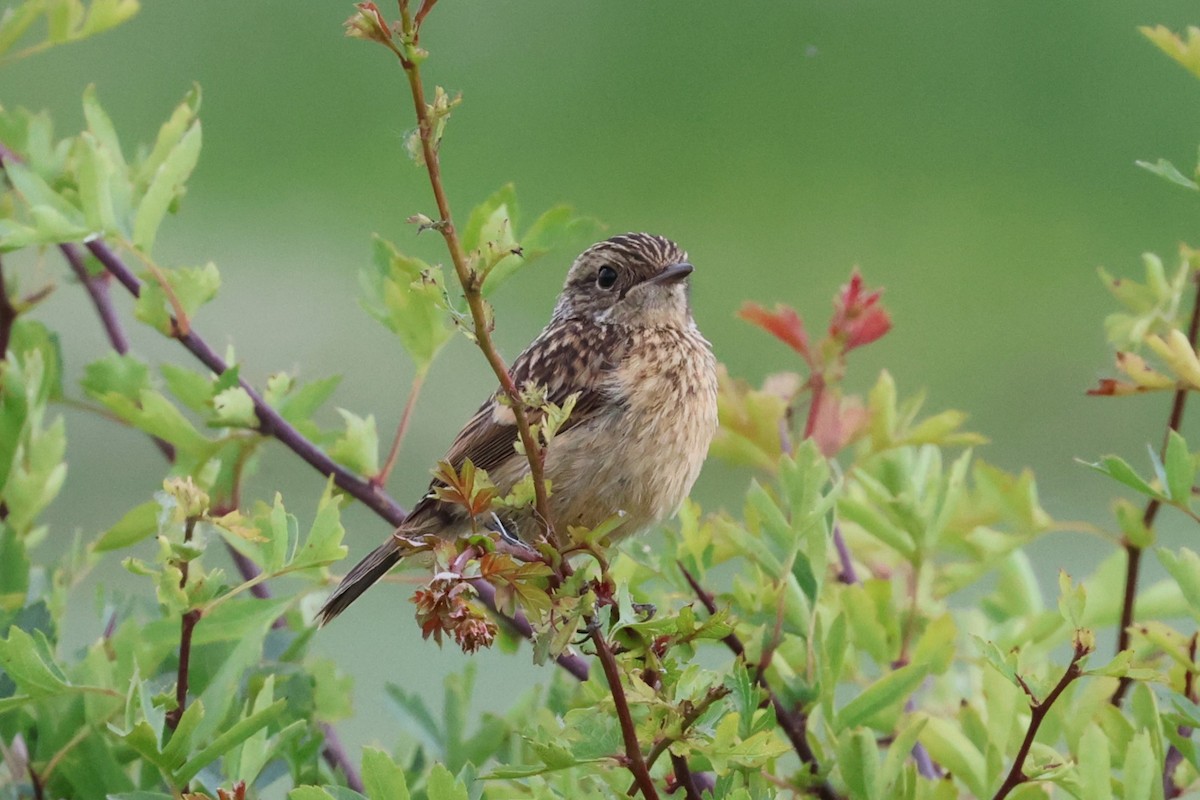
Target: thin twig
x: 271, y: 423
x: 8, y: 316
x: 468, y: 277
x: 1133, y: 553
x: 97, y: 289
x: 578, y: 667
x: 186, y: 627
x: 334, y: 753
x: 686, y: 721
x: 1016, y: 775
x: 1174, y: 756
x: 792, y: 723
x: 633, y: 750
x: 414, y: 391
x: 684, y: 777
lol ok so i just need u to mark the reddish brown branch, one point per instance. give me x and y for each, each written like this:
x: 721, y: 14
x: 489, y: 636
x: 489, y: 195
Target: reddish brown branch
x: 271, y: 423
x: 187, y: 626
x: 468, y: 278
x: 1016, y: 775
x: 97, y: 289
x: 793, y: 724
x: 633, y: 750
x: 8, y: 316
x: 1133, y: 553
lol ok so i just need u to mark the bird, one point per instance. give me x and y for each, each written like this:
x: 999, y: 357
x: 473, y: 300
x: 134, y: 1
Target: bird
x: 622, y: 339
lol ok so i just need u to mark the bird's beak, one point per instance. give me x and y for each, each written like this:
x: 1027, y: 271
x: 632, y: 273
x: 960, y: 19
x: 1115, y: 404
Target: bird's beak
x: 673, y: 273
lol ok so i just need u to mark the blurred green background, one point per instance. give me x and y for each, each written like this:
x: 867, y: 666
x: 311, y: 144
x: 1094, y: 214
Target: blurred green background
x: 976, y: 159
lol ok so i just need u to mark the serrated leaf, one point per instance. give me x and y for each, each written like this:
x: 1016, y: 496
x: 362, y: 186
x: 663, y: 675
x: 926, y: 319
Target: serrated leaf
x: 234, y: 408
x: 382, y: 777
x: 358, y: 446
x: 165, y: 186
x: 441, y: 785
x: 1117, y: 469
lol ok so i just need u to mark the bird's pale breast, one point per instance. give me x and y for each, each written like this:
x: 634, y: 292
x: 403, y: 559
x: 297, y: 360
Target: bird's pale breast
x: 643, y: 453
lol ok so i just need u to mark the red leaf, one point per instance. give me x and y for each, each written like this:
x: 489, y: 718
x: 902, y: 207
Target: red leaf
x: 836, y: 422
x: 783, y: 323
x: 858, y: 316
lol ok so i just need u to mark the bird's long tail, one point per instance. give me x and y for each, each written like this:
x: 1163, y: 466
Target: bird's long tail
x: 358, y: 580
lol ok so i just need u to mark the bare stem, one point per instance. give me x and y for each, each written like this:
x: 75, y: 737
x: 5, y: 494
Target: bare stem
x: 8, y: 316
x: 468, y: 278
x: 414, y: 391
x: 271, y: 423
x: 633, y: 750
x: 792, y: 723
x: 334, y: 753
x: 1133, y: 553
x: 1016, y: 775
x: 684, y: 778
x: 187, y: 626
x: 688, y: 719
x: 97, y: 289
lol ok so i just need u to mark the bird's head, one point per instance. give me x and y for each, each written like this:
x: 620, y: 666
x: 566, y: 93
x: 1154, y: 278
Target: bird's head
x: 635, y: 279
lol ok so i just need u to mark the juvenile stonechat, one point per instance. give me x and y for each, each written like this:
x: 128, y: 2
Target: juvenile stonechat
x: 623, y: 339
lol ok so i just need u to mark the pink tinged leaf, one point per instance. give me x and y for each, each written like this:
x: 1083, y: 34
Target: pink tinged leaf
x: 837, y: 422
x: 858, y: 316
x: 783, y: 323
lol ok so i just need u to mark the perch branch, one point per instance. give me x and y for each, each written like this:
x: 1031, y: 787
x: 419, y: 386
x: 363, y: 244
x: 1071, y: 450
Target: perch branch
x: 468, y: 277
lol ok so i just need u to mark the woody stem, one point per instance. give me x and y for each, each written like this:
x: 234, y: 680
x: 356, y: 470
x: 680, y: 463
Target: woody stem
x: 468, y: 278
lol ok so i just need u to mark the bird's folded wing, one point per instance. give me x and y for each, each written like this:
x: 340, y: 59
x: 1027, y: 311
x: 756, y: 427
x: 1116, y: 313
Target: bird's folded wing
x: 567, y: 358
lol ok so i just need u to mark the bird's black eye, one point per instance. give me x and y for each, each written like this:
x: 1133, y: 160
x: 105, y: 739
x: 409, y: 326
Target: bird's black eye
x: 606, y: 277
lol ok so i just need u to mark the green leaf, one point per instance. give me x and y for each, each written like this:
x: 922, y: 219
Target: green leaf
x: 300, y: 404
x: 139, y: 523
x: 1095, y: 764
x: 890, y: 690
x: 14, y: 570
x: 1117, y: 469
x: 192, y: 287
x: 169, y: 136
x: 324, y: 543
x: 1072, y: 600
x: 442, y: 785
x: 358, y: 447
x: 858, y: 760
x: 190, y: 388
x: 1184, y: 567
x: 234, y: 408
x: 165, y: 186
x: 1165, y: 169
x: 408, y: 297
x: 29, y: 662
x: 125, y: 375
x: 1180, y: 470
x: 382, y: 777
x: 950, y: 747
x: 96, y: 171
x: 309, y: 793
x: 1141, y: 772
x: 237, y: 733
x: 101, y: 127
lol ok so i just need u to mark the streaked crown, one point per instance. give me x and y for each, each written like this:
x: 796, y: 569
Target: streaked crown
x: 630, y: 279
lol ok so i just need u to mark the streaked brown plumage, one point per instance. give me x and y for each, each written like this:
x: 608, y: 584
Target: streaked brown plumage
x: 622, y: 336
